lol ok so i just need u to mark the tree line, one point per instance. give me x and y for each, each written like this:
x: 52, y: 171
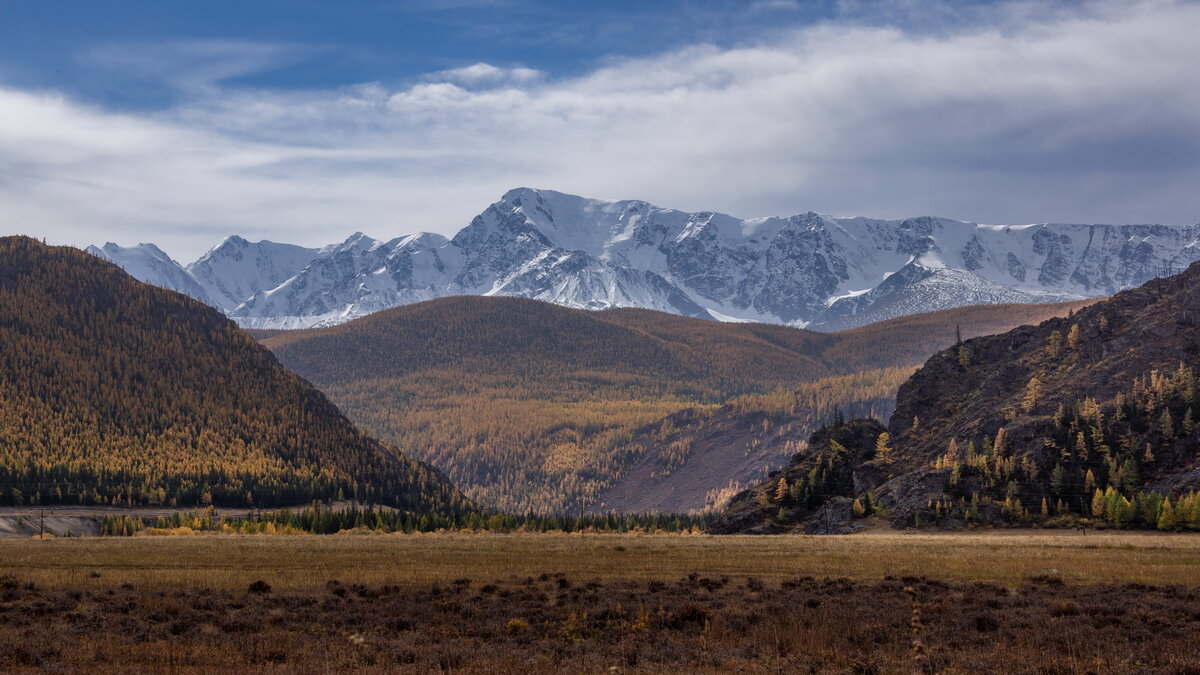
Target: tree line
x: 320, y: 519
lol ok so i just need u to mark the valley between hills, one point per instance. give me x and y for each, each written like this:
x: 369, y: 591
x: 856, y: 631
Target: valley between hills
x: 506, y: 483
x: 522, y: 337
x: 527, y: 406
x: 509, y: 413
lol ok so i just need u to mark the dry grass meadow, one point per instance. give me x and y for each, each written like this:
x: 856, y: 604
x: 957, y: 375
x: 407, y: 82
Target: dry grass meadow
x: 994, y: 602
x: 305, y: 562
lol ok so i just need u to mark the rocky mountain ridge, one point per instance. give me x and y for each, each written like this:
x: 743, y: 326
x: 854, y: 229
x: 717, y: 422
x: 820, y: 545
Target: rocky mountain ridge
x: 806, y: 270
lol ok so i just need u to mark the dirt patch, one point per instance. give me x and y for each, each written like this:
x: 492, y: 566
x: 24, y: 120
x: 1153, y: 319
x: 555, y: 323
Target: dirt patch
x: 12, y: 526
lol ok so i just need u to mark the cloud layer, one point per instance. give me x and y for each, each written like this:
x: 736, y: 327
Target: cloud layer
x: 1088, y: 113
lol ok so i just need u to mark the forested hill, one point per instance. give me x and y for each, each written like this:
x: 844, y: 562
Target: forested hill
x: 116, y: 392
x: 1102, y: 401
x: 529, y: 405
x: 531, y: 339
x: 1084, y: 419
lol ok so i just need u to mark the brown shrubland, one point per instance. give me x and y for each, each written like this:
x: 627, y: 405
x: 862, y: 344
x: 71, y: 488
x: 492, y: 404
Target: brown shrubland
x: 1005, y: 602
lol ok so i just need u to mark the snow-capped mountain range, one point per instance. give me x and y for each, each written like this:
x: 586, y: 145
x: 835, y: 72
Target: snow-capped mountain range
x: 806, y: 270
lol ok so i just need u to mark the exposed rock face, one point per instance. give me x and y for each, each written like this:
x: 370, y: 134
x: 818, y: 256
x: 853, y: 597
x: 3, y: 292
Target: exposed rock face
x: 805, y: 270
x: 1110, y: 390
x: 1069, y: 419
x: 813, y: 493
x: 836, y: 516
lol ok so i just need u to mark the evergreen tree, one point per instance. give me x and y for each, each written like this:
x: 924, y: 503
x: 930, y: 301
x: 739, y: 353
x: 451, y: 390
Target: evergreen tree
x: 1130, y: 475
x: 1058, y: 478
x: 1001, y: 442
x: 1167, y: 425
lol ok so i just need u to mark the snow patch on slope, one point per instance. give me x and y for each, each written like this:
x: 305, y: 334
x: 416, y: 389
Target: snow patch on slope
x: 803, y: 270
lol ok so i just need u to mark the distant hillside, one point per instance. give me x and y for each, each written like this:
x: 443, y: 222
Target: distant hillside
x: 698, y: 458
x: 522, y: 403
x: 528, y: 405
x: 529, y: 338
x: 113, y: 391
x: 1085, y: 418
x: 913, y: 339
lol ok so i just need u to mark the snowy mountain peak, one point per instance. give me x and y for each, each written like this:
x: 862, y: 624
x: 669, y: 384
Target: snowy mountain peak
x: 142, y: 251
x: 232, y: 245
x: 148, y: 263
x: 807, y: 269
x: 518, y: 196
x: 236, y: 269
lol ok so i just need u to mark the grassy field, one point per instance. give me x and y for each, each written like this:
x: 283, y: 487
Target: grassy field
x: 305, y: 562
x: 549, y: 603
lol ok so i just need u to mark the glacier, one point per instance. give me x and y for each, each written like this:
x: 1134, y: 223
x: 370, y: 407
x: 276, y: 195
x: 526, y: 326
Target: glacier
x: 807, y: 270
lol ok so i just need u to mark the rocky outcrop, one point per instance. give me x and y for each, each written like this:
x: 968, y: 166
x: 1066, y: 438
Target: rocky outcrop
x: 1049, y: 413
x: 1063, y: 421
x: 836, y: 516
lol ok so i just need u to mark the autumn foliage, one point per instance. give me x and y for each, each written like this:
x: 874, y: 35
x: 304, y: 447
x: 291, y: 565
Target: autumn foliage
x: 529, y: 406
x: 116, y: 392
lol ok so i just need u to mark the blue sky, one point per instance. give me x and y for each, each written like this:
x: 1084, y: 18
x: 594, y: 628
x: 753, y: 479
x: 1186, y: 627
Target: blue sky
x: 129, y: 57
x: 304, y: 121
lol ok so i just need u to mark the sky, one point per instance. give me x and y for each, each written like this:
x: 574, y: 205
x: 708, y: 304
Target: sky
x: 305, y: 121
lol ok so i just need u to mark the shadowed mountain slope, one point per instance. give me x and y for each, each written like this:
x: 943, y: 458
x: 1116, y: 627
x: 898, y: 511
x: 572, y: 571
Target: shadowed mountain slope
x: 1110, y: 391
x: 1087, y: 418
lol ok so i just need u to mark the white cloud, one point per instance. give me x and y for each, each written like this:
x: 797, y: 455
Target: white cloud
x: 775, y: 5
x: 1083, y: 115
x: 486, y: 73
x: 194, y: 64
